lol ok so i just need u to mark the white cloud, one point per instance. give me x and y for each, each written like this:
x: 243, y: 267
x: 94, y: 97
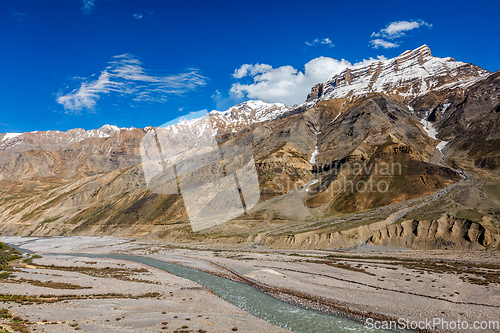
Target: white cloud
x: 140, y: 14
x: 252, y: 70
x: 89, y: 92
x: 286, y: 84
x: 125, y: 76
x: 376, y: 43
x: 324, y: 41
x: 370, y: 60
x: 88, y: 6
x: 18, y: 15
x: 224, y: 102
x: 217, y: 94
x: 397, y: 29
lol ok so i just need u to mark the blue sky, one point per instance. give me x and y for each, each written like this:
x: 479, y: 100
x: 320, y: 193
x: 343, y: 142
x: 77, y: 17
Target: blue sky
x: 82, y: 64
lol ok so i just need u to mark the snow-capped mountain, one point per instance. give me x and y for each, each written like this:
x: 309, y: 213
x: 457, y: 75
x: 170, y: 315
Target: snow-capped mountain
x: 410, y: 75
x: 406, y: 77
x: 51, y: 140
x: 248, y: 113
x: 414, y: 110
x: 232, y: 120
x: 214, y: 123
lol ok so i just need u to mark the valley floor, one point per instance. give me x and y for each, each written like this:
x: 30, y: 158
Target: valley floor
x: 369, y: 282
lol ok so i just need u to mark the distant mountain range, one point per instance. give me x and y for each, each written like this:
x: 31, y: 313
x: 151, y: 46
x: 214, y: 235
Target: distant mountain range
x: 436, y: 119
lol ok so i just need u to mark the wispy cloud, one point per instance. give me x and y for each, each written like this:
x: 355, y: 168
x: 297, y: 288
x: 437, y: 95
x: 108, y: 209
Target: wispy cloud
x: 18, y: 15
x: 323, y: 41
x: 140, y: 14
x: 376, y: 43
x: 252, y: 70
x: 395, y: 30
x: 225, y: 102
x: 125, y: 77
x: 286, y: 84
x: 88, y: 6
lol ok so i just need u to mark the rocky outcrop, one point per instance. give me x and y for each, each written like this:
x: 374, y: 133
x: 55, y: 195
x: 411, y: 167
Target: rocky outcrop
x: 475, y: 125
x: 457, y: 111
x: 408, y: 76
x: 376, y: 141
x: 325, y: 240
x: 445, y: 233
x: 315, y: 93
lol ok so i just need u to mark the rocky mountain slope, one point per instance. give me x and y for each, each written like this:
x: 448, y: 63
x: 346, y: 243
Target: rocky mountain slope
x: 371, y: 144
x: 407, y: 77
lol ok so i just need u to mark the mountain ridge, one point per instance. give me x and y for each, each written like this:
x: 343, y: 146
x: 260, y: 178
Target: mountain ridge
x: 379, y: 76
x: 411, y: 74
x: 95, y: 183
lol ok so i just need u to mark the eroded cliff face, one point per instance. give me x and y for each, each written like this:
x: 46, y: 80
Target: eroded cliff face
x: 447, y: 232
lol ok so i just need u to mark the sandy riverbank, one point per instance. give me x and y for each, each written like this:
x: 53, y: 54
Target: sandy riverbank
x: 130, y: 298
x: 371, y: 282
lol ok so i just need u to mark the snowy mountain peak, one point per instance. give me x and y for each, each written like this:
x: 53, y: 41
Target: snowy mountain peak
x: 230, y: 121
x: 411, y: 74
x: 9, y: 136
x: 424, y: 50
x: 52, y: 139
x: 246, y: 114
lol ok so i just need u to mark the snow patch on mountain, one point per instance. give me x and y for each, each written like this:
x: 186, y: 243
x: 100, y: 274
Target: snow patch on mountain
x: 249, y: 112
x: 314, y: 154
x: 232, y: 120
x: 336, y: 118
x: 9, y: 136
x: 57, y: 137
x: 441, y: 146
x: 410, y: 75
x: 432, y: 132
x: 429, y: 128
x: 445, y: 107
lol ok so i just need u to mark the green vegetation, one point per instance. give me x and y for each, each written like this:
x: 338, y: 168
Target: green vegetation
x: 52, y: 219
x: 476, y: 273
x: 17, y: 324
x: 106, y: 272
x: 4, y: 313
x: 327, y: 227
x: 29, y: 300
x: 30, y: 259
x: 471, y: 215
x: 341, y: 265
x: 493, y: 190
x: 432, y: 211
x: 423, y: 216
x: 46, y: 205
x: 223, y: 234
x: 7, y: 254
x: 47, y: 284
